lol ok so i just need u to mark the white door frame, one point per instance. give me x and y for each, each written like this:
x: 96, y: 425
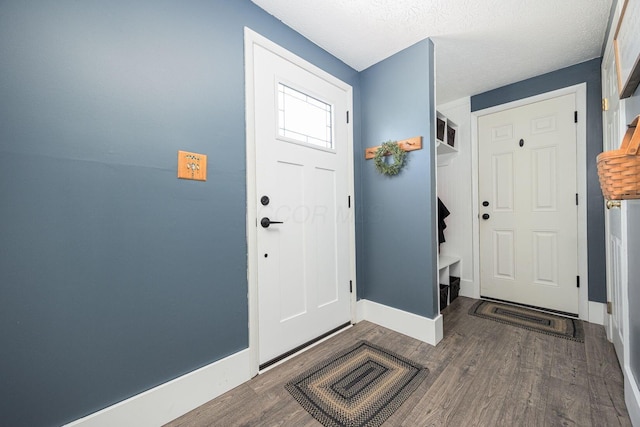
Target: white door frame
x: 631, y: 391
x: 251, y: 39
x: 608, y: 58
x: 580, y: 90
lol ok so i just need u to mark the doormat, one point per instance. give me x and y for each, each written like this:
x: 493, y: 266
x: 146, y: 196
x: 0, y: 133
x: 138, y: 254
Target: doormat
x: 361, y: 386
x: 532, y: 320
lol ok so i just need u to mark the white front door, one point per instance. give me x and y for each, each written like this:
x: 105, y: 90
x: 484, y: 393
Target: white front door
x: 614, y: 233
x: 302, y: 202
x: 528, y: 213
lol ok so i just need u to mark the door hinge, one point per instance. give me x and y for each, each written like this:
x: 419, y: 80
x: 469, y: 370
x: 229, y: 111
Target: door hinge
x: 575, y: 117
x: 605, y: 104
x: 350, y: 286
x: 576, y: 199
x: 577, y: 281
x: 347, y: 117
x: 609, y: 307
x: 348, y: 201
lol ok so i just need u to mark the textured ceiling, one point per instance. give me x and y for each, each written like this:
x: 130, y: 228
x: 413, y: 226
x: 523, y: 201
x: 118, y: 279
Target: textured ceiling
x: 480, y: 44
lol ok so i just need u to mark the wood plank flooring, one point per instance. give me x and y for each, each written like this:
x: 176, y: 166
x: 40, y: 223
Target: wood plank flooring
x: 483, y: 373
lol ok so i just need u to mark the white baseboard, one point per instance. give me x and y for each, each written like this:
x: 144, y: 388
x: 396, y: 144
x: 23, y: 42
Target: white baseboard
x: 413, y: 325
x: 597, y: 312
x: 169, y: 401
x: 467, y: 289
x: 632, y: 397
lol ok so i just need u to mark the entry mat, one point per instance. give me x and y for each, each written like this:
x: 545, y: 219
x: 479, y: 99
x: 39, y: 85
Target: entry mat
x: 533, y: 320
x: 358, y: 387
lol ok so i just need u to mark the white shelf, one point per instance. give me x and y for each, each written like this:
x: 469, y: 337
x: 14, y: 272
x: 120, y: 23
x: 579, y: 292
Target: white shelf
x: 447, y: 260
x: 448, y: 265
x: 443, y: 148
x: 446, y: 136
x: 445, y: 153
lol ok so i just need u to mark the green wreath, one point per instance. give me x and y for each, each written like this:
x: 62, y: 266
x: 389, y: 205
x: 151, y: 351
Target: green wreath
x: 389, y: 148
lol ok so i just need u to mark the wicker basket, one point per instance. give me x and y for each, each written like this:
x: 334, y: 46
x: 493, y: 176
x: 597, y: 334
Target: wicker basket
x: 619, y: 170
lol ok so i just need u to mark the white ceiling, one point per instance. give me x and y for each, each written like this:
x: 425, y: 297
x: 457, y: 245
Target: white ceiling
x: 480, y: 44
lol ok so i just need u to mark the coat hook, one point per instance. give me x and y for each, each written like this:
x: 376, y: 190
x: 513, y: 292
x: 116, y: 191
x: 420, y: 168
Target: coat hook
x: 410, y: 144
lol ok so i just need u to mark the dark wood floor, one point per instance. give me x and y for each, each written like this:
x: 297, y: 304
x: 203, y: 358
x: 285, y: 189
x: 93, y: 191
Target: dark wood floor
x: 482, y: 373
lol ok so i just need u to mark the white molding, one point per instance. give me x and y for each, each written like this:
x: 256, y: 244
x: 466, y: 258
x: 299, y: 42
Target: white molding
x: 413, y: 325
x: 252, y: 233
x: 597, y: 312
x: 581, y: 168
x: 170, y: 400
x: 614, y: 22
x: 580, y: 91
x: 467, y: 289
x: 475, y: 206
x: 251, y: 39
x: 632, y: 397
x: 626, y: 259
x: 460, y: 102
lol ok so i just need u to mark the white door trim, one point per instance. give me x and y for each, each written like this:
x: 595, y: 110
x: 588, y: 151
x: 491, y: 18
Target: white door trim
x: 580, y: 90
x: 251, y: 39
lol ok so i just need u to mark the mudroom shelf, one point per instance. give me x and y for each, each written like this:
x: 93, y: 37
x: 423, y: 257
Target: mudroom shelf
x: 443, y: 148
x: 446, y: 135
x: 448, y: 271
x: 445, y: 261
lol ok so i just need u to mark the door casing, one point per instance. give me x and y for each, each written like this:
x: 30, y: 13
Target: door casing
x: 251, y: 38
x: 580, y: 92
x: 615, y: 220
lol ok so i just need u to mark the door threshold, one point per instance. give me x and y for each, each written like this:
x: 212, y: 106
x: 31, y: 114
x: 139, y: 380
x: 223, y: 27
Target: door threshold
x: 533, y: 307
x: 301, y: 348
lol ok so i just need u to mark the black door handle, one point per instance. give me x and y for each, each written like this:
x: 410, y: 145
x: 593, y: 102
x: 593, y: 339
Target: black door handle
x: 485, y: 216
x: 266, y: 222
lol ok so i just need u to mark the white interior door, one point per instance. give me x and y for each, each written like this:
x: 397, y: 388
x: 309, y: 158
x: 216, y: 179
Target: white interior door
x: 614, y: 235
x: 302, y: 173
x: 528, y: 212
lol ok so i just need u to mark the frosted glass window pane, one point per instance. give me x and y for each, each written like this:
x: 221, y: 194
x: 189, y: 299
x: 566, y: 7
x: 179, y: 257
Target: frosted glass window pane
x: 304, y: 118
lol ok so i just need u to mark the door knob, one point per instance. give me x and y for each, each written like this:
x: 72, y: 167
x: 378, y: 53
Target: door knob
x: 266, y: 222
x: 613, y: 204
x: 485, y: 216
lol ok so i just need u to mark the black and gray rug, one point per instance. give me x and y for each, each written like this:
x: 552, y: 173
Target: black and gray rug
x: 533, y: 320
x: 361, y: 386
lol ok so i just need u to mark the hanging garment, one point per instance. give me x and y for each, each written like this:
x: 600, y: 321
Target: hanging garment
x: 443, y: 212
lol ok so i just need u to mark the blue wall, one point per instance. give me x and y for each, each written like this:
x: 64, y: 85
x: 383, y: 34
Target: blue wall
x: 114, y: 275
x: 588, y: 72
x: 397, y: 249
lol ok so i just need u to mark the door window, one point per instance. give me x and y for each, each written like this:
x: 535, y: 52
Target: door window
x: 304, y: 118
